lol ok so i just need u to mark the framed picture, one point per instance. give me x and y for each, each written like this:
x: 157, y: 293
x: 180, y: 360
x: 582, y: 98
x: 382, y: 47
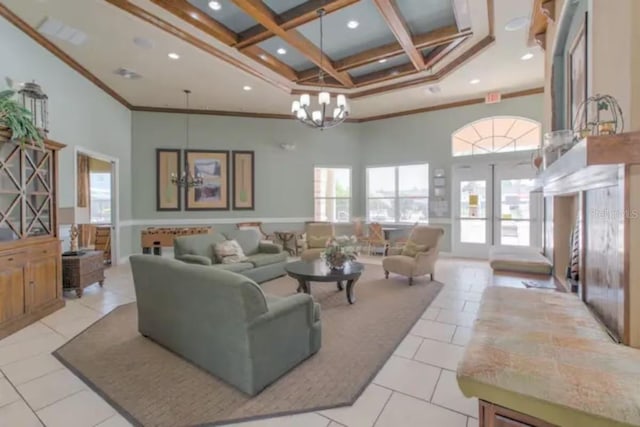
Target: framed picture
x: 243, y: 180
x: 167, y: 193
x: 577, y: 76
x: 213, y: 167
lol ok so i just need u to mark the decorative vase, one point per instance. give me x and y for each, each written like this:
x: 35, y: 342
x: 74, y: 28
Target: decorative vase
x: 337, y: 267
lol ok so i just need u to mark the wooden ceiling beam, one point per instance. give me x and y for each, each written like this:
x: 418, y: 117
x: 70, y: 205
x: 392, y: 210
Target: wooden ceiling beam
x: 265, y: 58
x: 292, y: 18
x: 435, y: 38
x: 265, y: 16
x: 400, y: 30
x: 194, y: 16
x: 440, y: 52
x: 386, y: 74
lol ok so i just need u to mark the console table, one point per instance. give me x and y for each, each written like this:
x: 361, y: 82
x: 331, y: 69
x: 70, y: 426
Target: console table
x: 80, y: 271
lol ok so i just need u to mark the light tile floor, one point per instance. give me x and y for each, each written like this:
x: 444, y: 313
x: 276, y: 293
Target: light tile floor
x: 416, y: 387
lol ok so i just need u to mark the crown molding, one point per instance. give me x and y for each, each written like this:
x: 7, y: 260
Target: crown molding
x: 59, y: 53
x: 463, y: 103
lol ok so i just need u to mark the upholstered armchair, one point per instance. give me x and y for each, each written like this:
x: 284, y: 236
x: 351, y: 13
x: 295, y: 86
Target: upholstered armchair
x: 258, y: 227
x: 418, y: 256
x: 317, y: 236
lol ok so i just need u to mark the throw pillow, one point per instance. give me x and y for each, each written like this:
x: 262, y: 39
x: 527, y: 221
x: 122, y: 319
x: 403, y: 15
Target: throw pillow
x: 412, y: 249
x: 317, y: 242
x: 229, y: 252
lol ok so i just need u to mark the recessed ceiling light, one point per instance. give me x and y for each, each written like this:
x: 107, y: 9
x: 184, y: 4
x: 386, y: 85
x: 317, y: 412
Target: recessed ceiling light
x: 247, y: 88
x: 527, y: 56
x: 382, y: 61
x: 174, y: 55
x: 394, y: 72
x: 263, y: 56
x: 215, y: 5
x: 516, y: 24
x: 353, y: 24
x: 475, y: 81
x: 281, y: 51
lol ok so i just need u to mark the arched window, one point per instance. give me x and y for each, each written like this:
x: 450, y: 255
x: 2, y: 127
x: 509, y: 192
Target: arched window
x: 496, y: 135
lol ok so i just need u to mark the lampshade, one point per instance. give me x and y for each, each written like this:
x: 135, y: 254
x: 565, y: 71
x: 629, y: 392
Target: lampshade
x: 69, y: 216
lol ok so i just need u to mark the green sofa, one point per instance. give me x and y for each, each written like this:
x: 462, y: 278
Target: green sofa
x: 223, y: 322
x: 266, y: 261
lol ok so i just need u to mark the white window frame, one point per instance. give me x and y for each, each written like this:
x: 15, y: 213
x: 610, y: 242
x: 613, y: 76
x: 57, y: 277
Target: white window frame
x: 396, y: 198
x: 350, y: 198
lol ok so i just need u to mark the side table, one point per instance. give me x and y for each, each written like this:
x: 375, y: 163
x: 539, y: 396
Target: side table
x: 80, y: 271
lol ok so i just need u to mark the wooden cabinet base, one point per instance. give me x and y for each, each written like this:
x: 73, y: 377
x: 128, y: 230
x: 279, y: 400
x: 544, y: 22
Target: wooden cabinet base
x: 496, y: 416
x: 28, y: 319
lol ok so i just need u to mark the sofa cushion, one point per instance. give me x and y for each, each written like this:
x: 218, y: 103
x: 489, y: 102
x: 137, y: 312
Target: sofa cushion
x: 229, y: 252
x: 249, y: 240
x: 411, y: 249
x: 235, y: 268
x: 315, y: 242
x: 200, y: 244
x: 258, y: 260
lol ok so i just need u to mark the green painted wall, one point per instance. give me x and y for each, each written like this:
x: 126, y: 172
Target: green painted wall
x: 284, y: 179
x: 80, y: 113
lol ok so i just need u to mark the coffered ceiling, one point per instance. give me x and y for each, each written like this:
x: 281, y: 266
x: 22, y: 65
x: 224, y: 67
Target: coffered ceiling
x: 255, y: 56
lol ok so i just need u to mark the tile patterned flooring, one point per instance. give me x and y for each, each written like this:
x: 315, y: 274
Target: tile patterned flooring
x: 416, y: 387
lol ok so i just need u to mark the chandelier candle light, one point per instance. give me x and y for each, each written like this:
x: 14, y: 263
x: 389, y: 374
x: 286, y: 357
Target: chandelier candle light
x: 187, y: 179
x: 318, y: 118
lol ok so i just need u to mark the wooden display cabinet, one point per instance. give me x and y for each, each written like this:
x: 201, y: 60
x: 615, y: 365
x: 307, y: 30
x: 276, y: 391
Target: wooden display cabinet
x: 30, y: 259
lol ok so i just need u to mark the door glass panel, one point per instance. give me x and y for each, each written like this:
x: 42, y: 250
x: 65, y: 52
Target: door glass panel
x: 515, y: 233
x: 473, y: 199
x: 473, y: 230
x: 515, y: 198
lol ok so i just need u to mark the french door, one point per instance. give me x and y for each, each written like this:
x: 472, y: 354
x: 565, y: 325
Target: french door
x: 494, y: 205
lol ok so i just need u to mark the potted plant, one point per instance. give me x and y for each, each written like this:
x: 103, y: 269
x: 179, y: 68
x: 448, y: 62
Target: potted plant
x: 16, y: 122
x: 339, y: 251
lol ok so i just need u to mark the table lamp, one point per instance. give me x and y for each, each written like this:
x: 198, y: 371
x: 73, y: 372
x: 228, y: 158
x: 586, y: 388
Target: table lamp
x: 73, y: 217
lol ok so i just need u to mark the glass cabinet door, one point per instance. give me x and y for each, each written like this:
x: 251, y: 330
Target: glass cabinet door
x: 38, y: 185
x: 10, y: 192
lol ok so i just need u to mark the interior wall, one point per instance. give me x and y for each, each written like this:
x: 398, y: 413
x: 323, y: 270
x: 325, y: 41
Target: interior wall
x: 427, y: 138
x: 80, y: 113
x: 283, y: 179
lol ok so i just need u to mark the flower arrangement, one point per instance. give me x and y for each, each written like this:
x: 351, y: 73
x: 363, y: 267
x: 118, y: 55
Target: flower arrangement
x: 339, y: 251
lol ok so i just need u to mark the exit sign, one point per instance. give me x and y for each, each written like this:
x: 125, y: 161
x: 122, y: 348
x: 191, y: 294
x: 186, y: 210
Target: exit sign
x: 493, y: 98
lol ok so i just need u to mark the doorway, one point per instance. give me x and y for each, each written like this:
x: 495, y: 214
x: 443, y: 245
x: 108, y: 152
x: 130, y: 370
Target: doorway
x: 495, y: 205
x: 96, y: 201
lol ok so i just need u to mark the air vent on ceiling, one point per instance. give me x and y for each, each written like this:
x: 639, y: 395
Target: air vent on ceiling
x: 54, y: 28
x: 434, y: 89
x: 127, y: 74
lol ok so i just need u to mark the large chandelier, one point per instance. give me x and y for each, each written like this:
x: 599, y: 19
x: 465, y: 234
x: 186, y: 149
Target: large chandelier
x: 318, y: 119
x: 186, y: 178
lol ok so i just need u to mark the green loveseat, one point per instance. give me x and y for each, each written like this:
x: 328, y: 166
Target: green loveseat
x: 265, y: 262
x: 223, y: 322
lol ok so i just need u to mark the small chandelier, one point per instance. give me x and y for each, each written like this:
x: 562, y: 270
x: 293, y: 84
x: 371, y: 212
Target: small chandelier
x: 187, y: 179
x: 35, y: 100
x: 318, y: 119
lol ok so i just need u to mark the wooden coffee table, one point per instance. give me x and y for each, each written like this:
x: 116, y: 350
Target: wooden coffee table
x: 317, y: 271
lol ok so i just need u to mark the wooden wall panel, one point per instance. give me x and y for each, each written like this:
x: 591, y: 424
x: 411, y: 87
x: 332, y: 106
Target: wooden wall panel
x: 604, y: 258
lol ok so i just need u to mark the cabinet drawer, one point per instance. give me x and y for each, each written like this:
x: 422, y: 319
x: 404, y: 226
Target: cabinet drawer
x: 14, y: 260
x: 45, y: 250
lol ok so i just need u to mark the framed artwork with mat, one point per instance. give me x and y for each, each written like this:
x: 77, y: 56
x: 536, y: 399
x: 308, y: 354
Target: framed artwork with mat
x: 167, y: 193
x: 243, y: 180
x: 576, y: 74
x: 213, y: 167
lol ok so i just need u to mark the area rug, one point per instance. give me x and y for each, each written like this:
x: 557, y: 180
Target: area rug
x: 151, y: 386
